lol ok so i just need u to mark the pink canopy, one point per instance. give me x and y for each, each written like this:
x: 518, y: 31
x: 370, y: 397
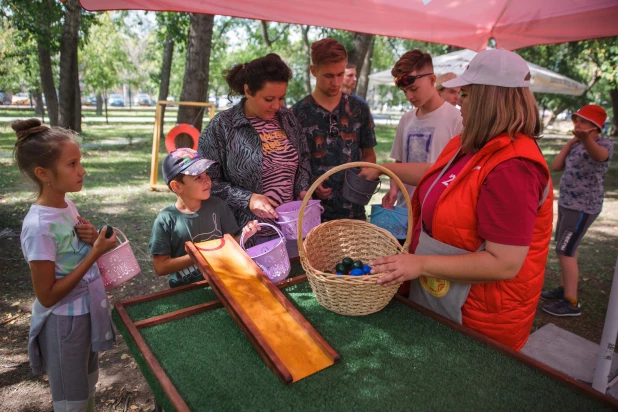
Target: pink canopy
x: 513, y: 24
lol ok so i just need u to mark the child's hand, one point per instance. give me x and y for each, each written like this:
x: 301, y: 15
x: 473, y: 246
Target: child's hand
x: 102, y: 245
x: 250, y: 229
x: 86, y: 231
x: 583, y: 134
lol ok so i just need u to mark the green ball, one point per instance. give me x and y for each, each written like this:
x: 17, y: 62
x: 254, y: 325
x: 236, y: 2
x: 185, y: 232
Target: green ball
x: 348, y: 263
x: 341, y: 268
x: 358, y: 265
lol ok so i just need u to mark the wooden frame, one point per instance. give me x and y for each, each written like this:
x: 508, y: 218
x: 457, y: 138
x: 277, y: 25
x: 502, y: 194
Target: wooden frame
x: 179, y: 404
x: 156, y: 135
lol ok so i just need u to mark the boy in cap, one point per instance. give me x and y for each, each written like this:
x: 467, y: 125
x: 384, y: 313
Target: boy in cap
x: 194, y: 216
x: 585, y: 160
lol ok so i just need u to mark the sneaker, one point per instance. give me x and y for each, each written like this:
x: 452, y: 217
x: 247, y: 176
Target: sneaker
x: 563, y: 308
x: 553, y: 294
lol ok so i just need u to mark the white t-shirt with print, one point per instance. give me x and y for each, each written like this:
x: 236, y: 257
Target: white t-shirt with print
x: 420, y: 139
x: 48, y: 233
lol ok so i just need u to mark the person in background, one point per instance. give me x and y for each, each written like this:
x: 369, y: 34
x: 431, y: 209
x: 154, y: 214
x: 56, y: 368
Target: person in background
x: 337, y: 126
x: 585, y: 160
x: 423, y: 131
x: 483, y: 211
x: 448, y: 94
x: 259, y: 146
x: 349, y: 79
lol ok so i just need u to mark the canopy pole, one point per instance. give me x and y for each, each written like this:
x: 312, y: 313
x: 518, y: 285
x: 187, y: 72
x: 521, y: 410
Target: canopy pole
x: 608, y: 340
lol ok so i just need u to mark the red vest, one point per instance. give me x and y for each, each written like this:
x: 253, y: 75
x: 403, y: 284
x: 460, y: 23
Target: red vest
x: 502, y: 310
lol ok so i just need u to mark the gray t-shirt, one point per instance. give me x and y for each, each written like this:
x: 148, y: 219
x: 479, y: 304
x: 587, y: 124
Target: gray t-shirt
x: 420, y: 139
x: 581, y: 185
x: 172, y: 229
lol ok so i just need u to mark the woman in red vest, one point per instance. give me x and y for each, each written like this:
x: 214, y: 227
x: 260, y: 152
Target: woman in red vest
x: 483, y: 212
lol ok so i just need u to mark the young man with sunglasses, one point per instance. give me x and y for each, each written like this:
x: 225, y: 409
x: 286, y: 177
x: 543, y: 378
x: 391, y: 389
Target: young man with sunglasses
x: 422, y: 132
x: 338, y: 127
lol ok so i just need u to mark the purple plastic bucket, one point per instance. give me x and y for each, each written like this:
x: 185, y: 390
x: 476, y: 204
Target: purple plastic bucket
x: 288, y: 217
x: 271, y: 257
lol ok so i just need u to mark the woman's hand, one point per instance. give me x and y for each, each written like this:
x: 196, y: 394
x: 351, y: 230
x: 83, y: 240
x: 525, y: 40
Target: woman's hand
x: 101, y: 244
x: 250, y: 229
x: 86, y: 231
x: 400, y: 267
x: 262, y: 206
x: 370, y: 173
x: 323, y: 192
x: 389, y: 199
x: 301, y: 195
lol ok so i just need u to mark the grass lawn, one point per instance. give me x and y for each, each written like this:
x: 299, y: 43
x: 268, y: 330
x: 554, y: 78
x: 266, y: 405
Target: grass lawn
x: 116, y: 191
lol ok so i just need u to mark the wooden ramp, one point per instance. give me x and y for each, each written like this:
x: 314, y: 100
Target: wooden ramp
x: 285, y: 340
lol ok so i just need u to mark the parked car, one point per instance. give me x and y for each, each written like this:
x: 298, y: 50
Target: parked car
x: 116, y: 100
x: 21, y: 98
x: 4, y: 98
x: 143, y: 99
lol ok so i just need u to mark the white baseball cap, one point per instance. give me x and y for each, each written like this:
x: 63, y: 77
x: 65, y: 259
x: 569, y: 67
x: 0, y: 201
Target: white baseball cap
x: 494, y: 67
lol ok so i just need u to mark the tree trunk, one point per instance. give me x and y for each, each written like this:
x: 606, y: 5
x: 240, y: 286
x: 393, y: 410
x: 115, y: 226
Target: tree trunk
x: 77, y: 126
x: 99, y: 110
x: 195, y: 82
x: 613, y: 93
x: 166, y: 70
x: 264, y: 28
x: 105, y: 100
x: 307, y: 50
x: 68, y: 64
x: 356, y: 56
x: 47, y: 82
x: 38, y: 103
x: 363, y: 78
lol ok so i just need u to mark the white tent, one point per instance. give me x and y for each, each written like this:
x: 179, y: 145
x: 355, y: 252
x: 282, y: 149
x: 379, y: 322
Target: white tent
x: 542, y: 80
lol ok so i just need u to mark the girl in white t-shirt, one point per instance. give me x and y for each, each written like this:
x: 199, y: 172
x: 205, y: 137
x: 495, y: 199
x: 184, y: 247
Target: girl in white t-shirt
x: 71, y: 317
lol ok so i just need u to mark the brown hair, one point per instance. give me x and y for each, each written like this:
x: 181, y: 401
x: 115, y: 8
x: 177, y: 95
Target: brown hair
x: 411, y: 61
x: 495, y: 110
x: 350, y: 66
x: 444, y: 78
x: 256, y: 73
x: 38, y: 146
x: 327, y: 51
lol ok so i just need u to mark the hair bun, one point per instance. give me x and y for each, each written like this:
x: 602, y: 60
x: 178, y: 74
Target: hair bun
x: 26, y: 128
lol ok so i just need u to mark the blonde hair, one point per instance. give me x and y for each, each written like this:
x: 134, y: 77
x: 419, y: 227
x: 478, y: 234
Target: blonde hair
x: 444, y: 78
x: 495, y: 110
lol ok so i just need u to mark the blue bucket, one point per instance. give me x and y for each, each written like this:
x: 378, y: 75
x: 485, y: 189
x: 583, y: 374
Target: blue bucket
x: 395, y: 221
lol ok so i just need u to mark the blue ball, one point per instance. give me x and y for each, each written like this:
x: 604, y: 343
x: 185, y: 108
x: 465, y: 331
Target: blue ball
x: 356, y: 272
x: 339, y: 273
x: 366, y: 269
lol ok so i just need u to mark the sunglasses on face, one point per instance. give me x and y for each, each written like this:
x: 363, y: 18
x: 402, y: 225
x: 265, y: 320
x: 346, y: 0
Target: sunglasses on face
x: 408, y: 80
x: 334, y: 131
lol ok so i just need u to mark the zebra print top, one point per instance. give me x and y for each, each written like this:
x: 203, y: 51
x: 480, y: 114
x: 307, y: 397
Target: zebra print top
x: 231, y: 140
x: 279, y: 164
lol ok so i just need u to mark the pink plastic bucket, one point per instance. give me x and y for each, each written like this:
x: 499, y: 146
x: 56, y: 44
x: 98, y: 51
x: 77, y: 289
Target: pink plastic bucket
x: 271, y: 257
x: 288, y: 216
x: 119, y: 264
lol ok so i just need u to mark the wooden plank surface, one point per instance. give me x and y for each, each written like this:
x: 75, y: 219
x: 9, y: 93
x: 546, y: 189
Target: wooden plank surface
x: 275, y: 325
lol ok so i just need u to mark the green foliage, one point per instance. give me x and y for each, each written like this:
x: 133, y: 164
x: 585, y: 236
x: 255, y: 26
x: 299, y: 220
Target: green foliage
x: 104, y: 58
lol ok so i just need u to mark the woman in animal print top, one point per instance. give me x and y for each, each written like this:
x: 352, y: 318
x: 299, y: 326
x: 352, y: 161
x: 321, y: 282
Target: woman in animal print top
x: 262, y: 156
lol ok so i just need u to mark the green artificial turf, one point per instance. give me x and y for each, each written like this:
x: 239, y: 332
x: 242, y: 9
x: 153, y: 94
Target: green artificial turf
x: 396, y: 359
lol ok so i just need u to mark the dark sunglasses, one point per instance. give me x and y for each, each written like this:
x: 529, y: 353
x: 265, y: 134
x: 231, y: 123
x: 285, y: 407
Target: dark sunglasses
x: 408, y: 80
x: 334, y: 131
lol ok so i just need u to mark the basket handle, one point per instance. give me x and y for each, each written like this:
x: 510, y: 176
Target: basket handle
x: 242, y: 236
x: 322, y: 178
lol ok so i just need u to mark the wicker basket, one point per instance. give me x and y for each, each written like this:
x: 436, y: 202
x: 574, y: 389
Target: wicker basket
x: 328, y: 243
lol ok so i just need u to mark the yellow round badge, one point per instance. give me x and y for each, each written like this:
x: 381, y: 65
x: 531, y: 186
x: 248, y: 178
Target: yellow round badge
x: 437, y: 287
